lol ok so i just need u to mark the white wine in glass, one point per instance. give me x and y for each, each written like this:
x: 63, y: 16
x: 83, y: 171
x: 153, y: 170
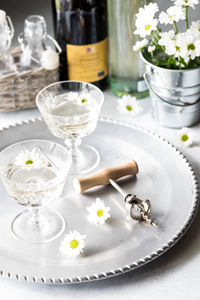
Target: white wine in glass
x: 70, y: 110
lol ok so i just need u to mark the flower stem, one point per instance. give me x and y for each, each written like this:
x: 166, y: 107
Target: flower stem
x: 156, y: 36
x: 175, y: 27
x: 186, y: 17
x: 158, y: 29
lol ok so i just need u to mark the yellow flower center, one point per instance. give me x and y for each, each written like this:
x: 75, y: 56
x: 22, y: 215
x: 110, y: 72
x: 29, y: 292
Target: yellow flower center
x: 100, y: 212
x: 147, y: 27
x: 84, y: 100
x: 129, y: 108
x: 177, y: 48
x: 184, y: 137
x: 74, y: 244
x: 29, y: 162
x: 190, y: 47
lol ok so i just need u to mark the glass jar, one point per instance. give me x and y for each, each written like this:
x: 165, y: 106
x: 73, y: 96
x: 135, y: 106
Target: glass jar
x: 7, y: 64
x: 32, y: 41
x: 34, y: 45
x: 126, y: 66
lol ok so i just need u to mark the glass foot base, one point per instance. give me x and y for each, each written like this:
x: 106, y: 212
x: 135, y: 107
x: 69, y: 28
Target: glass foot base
x: 46, y: 227
x: 88, y: 159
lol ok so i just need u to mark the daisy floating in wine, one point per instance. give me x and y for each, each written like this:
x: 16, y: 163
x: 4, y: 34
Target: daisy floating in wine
x: 29, y: 159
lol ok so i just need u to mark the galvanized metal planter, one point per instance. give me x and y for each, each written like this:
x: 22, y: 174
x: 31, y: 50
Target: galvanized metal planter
x: 175, y: 95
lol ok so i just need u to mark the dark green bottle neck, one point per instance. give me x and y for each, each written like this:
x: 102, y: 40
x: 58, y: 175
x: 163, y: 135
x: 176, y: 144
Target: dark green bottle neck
x: 81, y: 22
x: 85, y: 5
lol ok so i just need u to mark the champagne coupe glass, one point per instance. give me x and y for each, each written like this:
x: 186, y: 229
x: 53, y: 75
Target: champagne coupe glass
x: 34, y: 173
x: 70, y: 110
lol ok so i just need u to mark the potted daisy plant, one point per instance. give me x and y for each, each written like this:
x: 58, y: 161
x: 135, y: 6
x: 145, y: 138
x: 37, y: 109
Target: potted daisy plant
x: 172, y: 61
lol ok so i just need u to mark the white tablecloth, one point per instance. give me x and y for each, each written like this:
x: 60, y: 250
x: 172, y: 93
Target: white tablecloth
x: 175, y: 275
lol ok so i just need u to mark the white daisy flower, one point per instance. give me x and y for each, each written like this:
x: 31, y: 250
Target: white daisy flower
x: 145, y: 22
x: 195, y: 25
x: 140, y: 45
x: 98, y: 212
x: 166, y: 37
x: 148, y: 10
x: 151, y: 49
x: 195, y: 29
x: 186, y: 3
x: 72, y: 244
x: 84, y: 98
x: 189, y: 46
x: 169, y: 41
x: 185, y: 137
x: 128, y: 105
x: 173, y: 14
x: 29, y: 159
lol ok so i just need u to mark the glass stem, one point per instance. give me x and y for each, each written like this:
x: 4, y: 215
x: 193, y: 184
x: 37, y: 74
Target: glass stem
x: 75, y: 142
x: 36, y: 218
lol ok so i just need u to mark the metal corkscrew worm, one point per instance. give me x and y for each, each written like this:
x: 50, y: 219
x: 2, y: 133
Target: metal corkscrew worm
x: 143, y: 207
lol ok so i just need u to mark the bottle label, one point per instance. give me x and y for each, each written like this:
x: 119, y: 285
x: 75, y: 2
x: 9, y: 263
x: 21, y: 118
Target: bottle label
x: 88, y: 63
x: 141, y: 86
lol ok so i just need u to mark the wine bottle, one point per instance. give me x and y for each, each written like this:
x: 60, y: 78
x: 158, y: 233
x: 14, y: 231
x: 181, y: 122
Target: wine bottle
x: 126, y: 65
x: 81, y: 31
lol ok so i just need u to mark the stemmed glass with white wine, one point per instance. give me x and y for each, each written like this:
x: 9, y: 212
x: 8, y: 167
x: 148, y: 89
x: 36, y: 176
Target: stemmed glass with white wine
x: 70, y: 110
x: 34, y: 173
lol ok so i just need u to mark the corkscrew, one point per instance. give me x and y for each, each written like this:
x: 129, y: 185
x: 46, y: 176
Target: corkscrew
x: 139, y: 209
x: 143, y: 207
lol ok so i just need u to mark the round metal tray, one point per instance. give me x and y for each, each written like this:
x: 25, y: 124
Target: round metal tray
x: 165, y: 177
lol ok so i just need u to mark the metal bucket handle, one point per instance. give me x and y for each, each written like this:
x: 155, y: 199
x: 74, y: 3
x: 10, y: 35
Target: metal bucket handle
x: 180, y: 103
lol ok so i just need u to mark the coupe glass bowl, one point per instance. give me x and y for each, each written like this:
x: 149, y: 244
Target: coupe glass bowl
x: 34, y: 173
x: 70, y: 110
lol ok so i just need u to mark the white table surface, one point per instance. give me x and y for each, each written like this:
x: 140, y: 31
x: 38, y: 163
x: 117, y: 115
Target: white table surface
x: 175, y: 275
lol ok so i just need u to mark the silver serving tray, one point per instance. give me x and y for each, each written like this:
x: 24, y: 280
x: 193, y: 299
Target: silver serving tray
x: 165, y: 177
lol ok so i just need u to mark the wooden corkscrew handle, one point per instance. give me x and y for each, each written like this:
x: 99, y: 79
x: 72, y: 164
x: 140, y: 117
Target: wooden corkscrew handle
x: 103, y: 176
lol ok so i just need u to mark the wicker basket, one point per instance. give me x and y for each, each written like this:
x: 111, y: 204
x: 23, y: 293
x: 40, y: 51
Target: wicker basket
x: 18, y: 91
